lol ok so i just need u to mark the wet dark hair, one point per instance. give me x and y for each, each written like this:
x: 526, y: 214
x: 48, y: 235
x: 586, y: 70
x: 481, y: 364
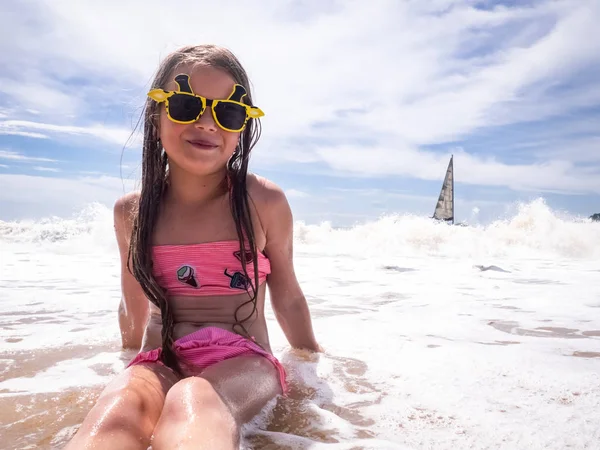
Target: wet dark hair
x: 155, y: 180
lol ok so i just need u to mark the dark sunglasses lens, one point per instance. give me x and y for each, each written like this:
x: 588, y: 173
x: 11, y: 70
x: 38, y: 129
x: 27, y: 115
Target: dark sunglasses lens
x: 184, y: 108
x: 230, y: 115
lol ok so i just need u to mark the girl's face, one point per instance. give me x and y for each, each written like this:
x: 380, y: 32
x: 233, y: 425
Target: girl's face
x: 202, y: 147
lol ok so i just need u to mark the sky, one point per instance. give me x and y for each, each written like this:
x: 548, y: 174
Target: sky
x: 364, y: 102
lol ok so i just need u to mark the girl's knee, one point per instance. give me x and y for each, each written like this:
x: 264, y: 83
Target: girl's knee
x: 191, y: 393
x: 121, y: 413
x: 130, y: 404
x: 126, y: 411
x: 138, y: 392
x: 194, y: 408
x: 196, y: 396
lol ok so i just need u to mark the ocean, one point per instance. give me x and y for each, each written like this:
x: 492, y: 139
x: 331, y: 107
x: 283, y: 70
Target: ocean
x: 435, y: 336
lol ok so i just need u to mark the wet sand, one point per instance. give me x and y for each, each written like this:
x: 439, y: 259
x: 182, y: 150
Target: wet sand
x: 49, y: 420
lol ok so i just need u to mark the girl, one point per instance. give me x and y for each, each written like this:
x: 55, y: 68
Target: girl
x: 201, y: 242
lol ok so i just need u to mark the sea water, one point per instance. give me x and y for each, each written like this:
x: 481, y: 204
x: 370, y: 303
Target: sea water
x: 435, y: 336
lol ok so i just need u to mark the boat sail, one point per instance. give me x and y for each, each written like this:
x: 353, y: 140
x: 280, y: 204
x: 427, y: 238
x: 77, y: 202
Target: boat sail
x: 444, y: 209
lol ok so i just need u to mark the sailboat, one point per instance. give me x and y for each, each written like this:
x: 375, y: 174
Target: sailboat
x: 444, y: 209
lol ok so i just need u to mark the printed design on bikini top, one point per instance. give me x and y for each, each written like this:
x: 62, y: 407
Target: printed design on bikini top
x: 247, y: 254
x: 238, y: 280
x: 186, y: 275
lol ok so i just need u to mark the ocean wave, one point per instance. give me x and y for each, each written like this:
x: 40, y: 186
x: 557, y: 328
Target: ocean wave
x: 534, y: 230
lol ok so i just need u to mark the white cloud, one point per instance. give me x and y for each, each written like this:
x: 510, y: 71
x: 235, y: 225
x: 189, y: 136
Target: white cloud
x: 38, y: 196
x: 578, y: 150
x: 110, y: 134
x: 552, y: 176
x: 137, y: 166
x: 398, y: 74
x: 4, y: 166
x: 16, y: 156
x: 32, y: 94
x: 380, y: 193
x: 23, y: 133
x: 45, y: 169
x: 295, y: 193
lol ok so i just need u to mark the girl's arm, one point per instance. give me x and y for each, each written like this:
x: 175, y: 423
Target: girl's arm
x: 133, y: 309
x: 289, y: 303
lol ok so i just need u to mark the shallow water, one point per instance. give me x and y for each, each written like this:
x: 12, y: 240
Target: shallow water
x: 436, y: 337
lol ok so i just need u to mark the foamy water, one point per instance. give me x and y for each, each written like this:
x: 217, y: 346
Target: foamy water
x: 436, y: 337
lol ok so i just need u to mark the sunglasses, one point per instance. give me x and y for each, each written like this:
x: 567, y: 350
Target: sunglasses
x: 183, y: 106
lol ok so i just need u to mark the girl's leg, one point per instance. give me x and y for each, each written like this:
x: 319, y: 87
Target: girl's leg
x: 206, y: 412
x: 126, y: 412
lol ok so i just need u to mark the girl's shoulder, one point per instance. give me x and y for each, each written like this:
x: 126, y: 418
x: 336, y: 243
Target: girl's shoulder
x: 269, y: 200
x: 265, y: 193
x: 127, y: 204
x: 124, y: 211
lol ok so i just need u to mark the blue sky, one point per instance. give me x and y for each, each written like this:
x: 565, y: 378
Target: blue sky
x: 365, y: 101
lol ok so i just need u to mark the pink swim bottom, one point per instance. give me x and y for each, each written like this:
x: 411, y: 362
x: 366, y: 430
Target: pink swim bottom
x: 211, y: 345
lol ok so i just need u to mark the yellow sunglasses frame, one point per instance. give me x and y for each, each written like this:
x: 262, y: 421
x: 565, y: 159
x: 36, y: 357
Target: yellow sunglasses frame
x: 252, y: 112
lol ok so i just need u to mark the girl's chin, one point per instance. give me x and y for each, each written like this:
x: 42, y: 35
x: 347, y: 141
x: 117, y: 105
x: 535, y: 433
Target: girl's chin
x: 201, y: 168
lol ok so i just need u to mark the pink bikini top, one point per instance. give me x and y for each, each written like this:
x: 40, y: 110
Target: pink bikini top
x: 211, y: 268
